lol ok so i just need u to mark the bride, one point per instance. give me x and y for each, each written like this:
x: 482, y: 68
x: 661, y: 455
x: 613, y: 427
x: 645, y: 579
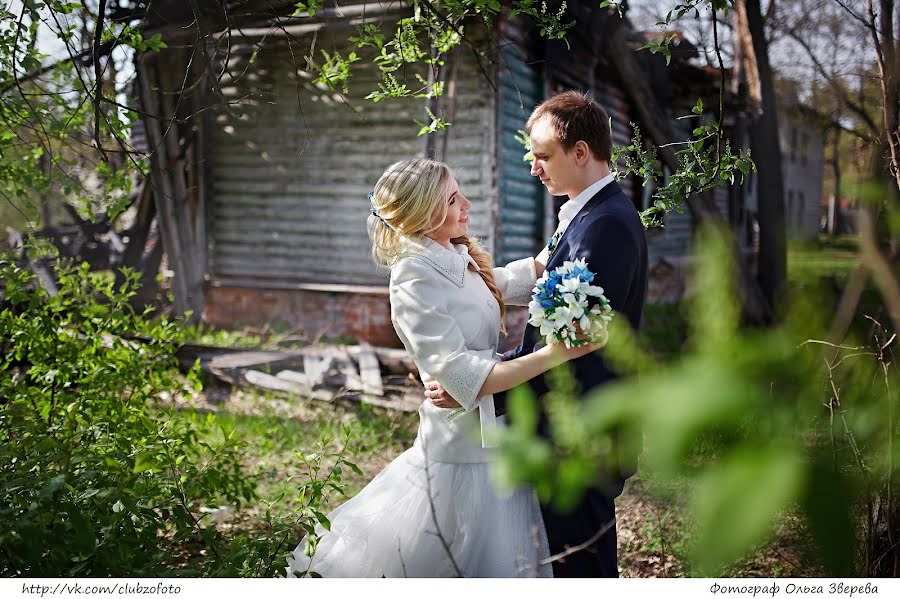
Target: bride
x: 434, y: 511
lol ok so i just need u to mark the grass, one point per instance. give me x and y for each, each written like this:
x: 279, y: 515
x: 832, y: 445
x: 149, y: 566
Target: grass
x: 277, y: 430
x: 826, y: 258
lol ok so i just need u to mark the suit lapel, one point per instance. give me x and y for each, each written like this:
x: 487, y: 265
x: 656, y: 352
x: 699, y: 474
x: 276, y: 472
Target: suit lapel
x: 556, y: 259
x: 601, y: 196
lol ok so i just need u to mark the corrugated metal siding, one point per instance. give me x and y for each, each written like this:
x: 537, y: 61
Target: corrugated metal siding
x: 291, y: 164
x: 521, y: 201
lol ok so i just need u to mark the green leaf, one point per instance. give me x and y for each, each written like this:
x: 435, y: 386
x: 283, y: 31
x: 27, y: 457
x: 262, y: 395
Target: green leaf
x: 144, y: 461
x: 737, y: 502
x: 523, y: 411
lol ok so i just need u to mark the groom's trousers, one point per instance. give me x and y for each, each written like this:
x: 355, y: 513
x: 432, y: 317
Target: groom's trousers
x: 565, y: 531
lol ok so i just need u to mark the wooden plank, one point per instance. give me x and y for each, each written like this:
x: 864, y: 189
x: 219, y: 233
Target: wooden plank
x: 369, y: 370
x: 292, y: 376
x: 393, y: 361
x: 407, y: 402
x: 249, y: 359
x: 315, y: 367
x: 273, y: 383
x: 350, y: 379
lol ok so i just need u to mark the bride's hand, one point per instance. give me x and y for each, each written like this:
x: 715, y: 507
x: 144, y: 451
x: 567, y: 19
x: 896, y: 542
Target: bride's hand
x: 439, y: 396
x: 559, y: 353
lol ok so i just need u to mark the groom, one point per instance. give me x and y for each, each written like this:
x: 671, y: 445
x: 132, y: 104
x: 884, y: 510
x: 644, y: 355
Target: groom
x: 571, y: 144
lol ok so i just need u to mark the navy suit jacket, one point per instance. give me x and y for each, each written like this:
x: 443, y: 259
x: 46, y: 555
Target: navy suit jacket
x: 608, y: 234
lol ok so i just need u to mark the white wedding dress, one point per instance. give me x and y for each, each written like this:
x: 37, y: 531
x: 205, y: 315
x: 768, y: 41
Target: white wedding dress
x: 434, y: 511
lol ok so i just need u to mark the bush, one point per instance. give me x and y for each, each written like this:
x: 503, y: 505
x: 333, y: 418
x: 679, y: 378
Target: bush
x: 97, y: 478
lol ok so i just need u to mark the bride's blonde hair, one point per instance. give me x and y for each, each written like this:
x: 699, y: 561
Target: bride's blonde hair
x: 410, y: 199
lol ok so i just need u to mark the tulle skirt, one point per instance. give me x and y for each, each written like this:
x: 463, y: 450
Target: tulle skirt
x: 431, y: 520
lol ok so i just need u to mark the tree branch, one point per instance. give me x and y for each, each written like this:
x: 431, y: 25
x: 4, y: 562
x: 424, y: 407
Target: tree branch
x: 98, y: 77
x: 831, y: 79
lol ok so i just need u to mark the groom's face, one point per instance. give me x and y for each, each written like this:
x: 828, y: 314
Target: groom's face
x: 556, y: 168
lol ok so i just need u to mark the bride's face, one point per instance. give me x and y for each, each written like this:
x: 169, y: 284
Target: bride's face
x: 456, y: 223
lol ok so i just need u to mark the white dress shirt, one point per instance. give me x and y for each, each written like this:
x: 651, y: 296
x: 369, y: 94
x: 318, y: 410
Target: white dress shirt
x: 569, y: 210
x: 449, y: 322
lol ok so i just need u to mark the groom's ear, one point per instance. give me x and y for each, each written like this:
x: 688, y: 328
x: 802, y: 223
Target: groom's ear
x: 582, y: 152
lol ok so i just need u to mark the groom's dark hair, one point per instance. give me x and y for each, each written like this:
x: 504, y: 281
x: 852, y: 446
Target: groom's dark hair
x: 576, y: 117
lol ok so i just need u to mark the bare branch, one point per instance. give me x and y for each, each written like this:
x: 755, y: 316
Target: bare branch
x: 98, y: 77
x: 832, y: 82
x: 581, y: 546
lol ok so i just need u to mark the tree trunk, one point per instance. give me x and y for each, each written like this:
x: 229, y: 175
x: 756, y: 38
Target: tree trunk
x: 772, y: 270
x: 835, y: 216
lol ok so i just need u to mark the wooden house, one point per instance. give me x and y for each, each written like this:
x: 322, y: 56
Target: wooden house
x: 268, y: 222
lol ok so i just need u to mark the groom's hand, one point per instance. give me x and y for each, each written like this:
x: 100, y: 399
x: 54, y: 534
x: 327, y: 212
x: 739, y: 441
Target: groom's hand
x: 439, y: 396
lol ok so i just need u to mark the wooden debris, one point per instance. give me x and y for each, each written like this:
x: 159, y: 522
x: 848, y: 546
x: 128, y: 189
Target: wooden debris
x: 346, y: 369
x: 403, y: 403
x: 274, y: 383
x: 315, y: 367
x: 292, y: 376
x: 393, y: 361
x: 383, y: 377
x: 369, y: 370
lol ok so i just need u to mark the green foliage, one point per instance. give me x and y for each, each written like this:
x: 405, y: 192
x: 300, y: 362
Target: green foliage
x: 663, y: 46
x: 47, y: 124
x: 313, y: 485
x: 427, y: 38
x: 755, y: 398
x: 310, y: 8
x: 701, y: 167
x: 436, y: 124
x: 551, y: 25
x: 97, y: 476
x: 96, y: 480
x: 335, y: 70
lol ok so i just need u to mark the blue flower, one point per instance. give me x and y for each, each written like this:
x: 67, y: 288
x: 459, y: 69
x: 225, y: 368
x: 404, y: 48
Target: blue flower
x: 583, y: 273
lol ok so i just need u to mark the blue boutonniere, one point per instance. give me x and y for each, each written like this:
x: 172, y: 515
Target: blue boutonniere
x: 553, y: 242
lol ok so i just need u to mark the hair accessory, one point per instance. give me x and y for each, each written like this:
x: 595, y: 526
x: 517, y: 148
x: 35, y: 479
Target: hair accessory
x: 376, y: 214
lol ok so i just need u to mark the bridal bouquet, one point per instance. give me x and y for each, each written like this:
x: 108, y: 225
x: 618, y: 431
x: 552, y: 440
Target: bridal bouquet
x: 565, y: 305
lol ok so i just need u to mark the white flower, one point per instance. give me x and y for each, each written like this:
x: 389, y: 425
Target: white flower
x: 572, y: 285
x: 562, y: 316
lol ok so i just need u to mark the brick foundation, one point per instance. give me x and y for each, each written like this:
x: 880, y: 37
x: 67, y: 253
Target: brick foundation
x: 355, y: 313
